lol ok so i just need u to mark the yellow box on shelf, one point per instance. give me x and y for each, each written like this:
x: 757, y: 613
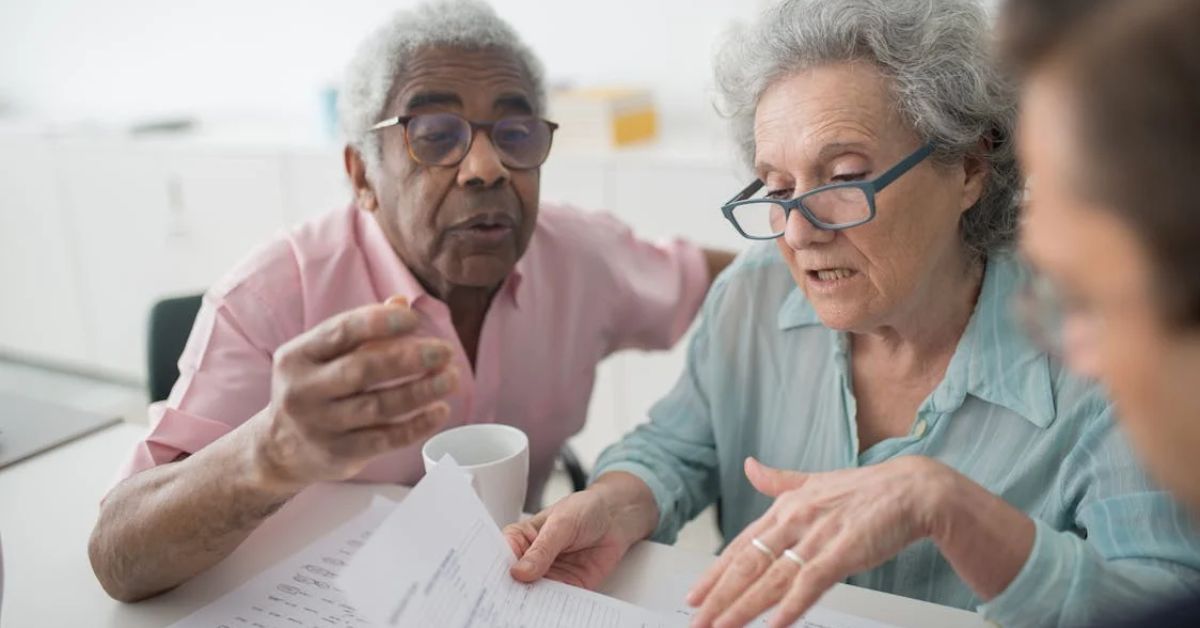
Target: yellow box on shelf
x: 603, y: 117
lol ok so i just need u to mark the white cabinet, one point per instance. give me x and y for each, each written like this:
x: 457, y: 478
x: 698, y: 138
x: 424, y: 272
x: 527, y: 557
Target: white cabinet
x: 221, y: 206
x: 678, y: 198
x: 578, y: 181
x: 316, y: 183
x: 150, y: 221
x: 115, y: 199
x: 41, y: 311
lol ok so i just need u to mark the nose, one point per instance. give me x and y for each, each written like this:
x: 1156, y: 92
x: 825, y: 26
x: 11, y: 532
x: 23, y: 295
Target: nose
x: 799, y: 233
x: 482, y: 168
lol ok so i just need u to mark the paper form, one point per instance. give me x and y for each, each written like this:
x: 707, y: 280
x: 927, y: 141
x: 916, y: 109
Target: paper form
x: 437, y: 559
x: 670, y: 596
x: 299, y: 592
x: 440, y: 560
x: 817, y: 617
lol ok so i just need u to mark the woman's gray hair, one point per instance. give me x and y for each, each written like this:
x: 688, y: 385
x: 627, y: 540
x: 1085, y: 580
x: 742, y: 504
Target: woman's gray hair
x: 378, y: 67
x: 939, y: 57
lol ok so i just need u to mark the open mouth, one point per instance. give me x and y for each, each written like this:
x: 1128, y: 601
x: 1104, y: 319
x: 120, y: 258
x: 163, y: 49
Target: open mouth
x: 831, y: 276
x: 487, y: 228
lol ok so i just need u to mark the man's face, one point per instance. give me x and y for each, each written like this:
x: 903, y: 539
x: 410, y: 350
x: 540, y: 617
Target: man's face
x: 1112, y: 327
x: 464, y: 225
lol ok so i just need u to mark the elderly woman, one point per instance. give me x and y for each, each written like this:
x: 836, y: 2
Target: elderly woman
x: 930, y: 450
x: 446, y: 294
x: 1110, y: 133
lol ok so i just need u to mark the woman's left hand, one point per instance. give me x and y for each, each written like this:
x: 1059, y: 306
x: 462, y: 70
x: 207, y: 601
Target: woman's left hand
x: 822, y: 528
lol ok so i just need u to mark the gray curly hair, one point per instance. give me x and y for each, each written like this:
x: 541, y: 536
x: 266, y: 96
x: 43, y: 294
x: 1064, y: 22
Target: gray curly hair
x: 378, y: 66
x: 938, y: 55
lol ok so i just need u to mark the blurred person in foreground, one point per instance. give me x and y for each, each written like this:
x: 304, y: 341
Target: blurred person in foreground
x: 1110, y: 138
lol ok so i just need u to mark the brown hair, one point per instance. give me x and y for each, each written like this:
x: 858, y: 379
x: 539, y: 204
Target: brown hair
x: 1029, y: 29
x: 1133, y: 69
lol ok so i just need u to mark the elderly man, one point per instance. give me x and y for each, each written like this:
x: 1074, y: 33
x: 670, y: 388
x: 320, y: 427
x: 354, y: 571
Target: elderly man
x: 445, y: 296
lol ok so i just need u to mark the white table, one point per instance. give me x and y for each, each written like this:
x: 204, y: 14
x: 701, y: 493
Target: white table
x: 48, y: 505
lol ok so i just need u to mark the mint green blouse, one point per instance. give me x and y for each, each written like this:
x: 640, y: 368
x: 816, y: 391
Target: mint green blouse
x: 765, y: 378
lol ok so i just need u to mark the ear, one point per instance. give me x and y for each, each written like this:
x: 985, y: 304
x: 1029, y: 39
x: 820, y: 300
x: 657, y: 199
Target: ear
x: 976, y: 169
x: 356, y: 170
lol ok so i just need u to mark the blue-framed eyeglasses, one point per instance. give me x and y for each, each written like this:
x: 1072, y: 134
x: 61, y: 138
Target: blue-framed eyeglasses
x: 831, y: 207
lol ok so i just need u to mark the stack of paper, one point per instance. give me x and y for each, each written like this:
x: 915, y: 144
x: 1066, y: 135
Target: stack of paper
x: 440, y: 560
x: 437, y: 559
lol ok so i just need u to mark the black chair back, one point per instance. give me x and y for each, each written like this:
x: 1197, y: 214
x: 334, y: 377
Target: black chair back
x: 171, y: 323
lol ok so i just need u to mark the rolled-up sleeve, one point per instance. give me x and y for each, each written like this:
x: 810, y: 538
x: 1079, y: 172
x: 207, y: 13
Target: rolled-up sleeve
x: 224, y: 379
x: 1131, y: 545
x: 675, y: 453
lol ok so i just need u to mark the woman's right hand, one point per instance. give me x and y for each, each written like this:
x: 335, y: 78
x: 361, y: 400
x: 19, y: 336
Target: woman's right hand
x: 580, y: 539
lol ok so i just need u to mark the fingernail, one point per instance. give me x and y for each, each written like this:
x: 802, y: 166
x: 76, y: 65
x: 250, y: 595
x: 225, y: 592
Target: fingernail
x: 433, y: 355
x: 397, y: 300
x: 397, y: 321
x: 525, y: 566
x: 443, y: 382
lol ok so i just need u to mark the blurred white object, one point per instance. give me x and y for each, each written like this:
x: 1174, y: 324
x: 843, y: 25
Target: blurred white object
x: 603, y: 117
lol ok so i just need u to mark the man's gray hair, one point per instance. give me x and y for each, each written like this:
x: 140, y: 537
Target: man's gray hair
x: 378, y: 66
x: 939, y: 57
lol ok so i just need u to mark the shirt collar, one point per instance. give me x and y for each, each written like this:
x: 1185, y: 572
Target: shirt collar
x: 391, y: 277
x: 994, y: 361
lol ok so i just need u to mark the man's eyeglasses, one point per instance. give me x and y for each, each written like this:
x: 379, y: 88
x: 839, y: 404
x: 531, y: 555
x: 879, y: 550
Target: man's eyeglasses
x: 831, y: 207
x: 444, y: 139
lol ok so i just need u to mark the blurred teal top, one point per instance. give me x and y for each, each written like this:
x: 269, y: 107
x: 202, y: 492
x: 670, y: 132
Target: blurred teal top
x: 765, y: 378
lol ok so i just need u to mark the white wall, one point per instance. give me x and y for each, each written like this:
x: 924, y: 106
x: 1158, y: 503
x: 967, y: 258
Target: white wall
x: 118, y: 58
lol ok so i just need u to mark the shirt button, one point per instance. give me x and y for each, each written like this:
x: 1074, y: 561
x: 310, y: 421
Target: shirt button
x: 919, y: 428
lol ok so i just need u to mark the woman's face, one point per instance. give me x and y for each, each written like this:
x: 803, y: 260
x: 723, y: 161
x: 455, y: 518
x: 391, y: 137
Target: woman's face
x: 1101, y: 269
x: 836, y: 123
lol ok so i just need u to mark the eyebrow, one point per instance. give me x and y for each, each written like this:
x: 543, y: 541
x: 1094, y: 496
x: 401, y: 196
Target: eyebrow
x: 838, y: 148
x: 425, y: 99
x: 513, y: 101
x: 827, y: 151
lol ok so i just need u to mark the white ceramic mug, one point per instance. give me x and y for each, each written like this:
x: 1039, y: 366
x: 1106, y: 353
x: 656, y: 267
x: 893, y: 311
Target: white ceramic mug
x: 497, y: 459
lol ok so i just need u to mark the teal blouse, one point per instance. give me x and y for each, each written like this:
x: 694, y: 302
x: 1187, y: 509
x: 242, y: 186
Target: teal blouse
x: 765, y: 378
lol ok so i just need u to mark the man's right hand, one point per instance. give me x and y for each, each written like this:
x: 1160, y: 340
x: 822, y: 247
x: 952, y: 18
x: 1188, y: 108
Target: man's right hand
x: 356, y: 386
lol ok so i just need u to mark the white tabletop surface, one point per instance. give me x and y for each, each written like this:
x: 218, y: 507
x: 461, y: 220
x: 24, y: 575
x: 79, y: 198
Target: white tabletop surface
x: 48, y: 505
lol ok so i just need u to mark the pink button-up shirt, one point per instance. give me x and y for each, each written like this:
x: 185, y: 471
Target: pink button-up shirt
x: 584, y: 288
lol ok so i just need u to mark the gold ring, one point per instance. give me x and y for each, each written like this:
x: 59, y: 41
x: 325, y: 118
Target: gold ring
x: 762, y: 547
x: 793, y: 556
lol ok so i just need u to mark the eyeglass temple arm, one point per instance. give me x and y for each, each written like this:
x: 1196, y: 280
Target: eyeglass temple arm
x: 904, y: 166
x: 382, y: 124
x: 747, y: 192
